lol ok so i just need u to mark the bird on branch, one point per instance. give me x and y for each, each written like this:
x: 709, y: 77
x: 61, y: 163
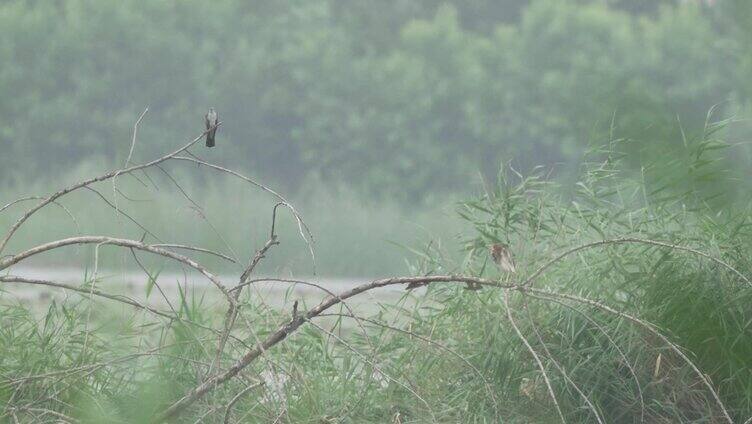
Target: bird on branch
x: 502, y: 257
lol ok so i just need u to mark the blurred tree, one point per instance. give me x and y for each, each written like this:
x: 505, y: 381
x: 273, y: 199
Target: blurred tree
x: 381, y: 26
x: 401, y: 100
x: 736, y: 22
x: 569, y: 72
x: 647, y: 7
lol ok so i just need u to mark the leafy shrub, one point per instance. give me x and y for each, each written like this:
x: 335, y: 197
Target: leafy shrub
x: 692, y: 286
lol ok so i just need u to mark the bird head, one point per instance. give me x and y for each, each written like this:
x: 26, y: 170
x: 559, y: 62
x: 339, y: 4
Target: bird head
x: 498, y: 248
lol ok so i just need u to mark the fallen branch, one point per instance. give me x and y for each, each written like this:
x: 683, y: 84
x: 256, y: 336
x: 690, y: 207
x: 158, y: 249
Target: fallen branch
x: 101, y: 240
x: 51, y: 198
x: 118, y: 298
x: 215, y: 375
x: 281, y: 334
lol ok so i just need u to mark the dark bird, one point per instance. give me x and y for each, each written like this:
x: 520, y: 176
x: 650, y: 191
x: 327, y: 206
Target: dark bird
x: 212, y: 119
x: 502, y: 257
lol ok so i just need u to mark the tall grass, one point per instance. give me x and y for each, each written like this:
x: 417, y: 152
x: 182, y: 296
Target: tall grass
x: 599, y: 363
x: 354, y: 236
x: 615, y: 332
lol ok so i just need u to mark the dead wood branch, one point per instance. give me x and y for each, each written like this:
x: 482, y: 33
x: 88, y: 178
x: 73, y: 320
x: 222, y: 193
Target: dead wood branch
x: 305, y: 232
x: 99, y: 293
x: 233, y: 309
x: 626, y: 240
x: 288, y: 328
x: 535, y: 355
x: 652, y: 329
x: 101, y: 240
x: 236, y: 398
x: 51, y: 198
x: 216, y: 375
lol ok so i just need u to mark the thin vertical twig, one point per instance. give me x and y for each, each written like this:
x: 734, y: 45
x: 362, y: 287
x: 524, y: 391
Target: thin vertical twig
x: 236, y: 398
x: 532, y: 351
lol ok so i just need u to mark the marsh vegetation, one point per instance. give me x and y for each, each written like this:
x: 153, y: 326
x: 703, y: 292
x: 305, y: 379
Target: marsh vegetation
x: 328, y: 260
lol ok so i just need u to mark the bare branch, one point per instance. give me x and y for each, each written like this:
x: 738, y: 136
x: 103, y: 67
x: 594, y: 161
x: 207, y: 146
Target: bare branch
x: 556, y: 364
x: 652, y: 329
x: 305, y: 233
x: 133, y: 140
x: 58, y: 204
x: 534, y: 353
x: 200, y: 210
x: 610, y: 340
x: 624, y: 240
x: 194, y: 249
x: 282, y: 333
x: 320, y: 287
x: 130, y: 199
x: 117, y: 298
x: 127, y: 162
x: 121, y: 212
x: 116, y: 242
x: 23, y: 199
x: 233, y: 310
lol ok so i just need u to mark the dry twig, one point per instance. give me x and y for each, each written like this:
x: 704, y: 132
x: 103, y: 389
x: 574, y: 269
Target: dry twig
x: 216, y: 375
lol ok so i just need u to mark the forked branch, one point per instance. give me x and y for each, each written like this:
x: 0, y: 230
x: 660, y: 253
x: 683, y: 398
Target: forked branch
x: 217, y: 375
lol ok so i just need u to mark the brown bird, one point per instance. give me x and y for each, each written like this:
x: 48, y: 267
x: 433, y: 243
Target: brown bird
x: 502, y: 257
x: 212, y: 119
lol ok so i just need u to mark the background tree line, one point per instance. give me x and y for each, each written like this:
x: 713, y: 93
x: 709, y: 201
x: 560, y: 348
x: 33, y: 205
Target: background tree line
x: 400, y: 99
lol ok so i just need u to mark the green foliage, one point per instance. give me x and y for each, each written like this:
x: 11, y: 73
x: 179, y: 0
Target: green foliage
x: 734, y: 18
x: 369, y: 100
x: 616, y: 327
x: 354, y: 234
x: 624, y: 370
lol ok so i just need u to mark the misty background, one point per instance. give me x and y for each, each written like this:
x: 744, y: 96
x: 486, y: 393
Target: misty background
x: 374, y: 118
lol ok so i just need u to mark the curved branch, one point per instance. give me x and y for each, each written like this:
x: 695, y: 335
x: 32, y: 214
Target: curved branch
x: 133, y: 139
x: 475, y: 370
x: 51, y: 198
x: 318, y: 287
x: 610, y: 340
x: 198, y: 209
x: 58, y: 204
x: 651, y: 328
x: 121, y: 212
x: 303, y: 229
x: 237, y: 397
x: 195, y: 249
x: 23, y: 199
x: 532, y: 351
x: 116, y: 242
x: 117, y: 298
x: 281, y: 334
x: 556, y: 364
x: 624, y: 240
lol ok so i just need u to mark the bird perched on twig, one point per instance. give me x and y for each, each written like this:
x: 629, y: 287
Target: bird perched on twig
x: 212, y: 119
x: 502, y: 257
